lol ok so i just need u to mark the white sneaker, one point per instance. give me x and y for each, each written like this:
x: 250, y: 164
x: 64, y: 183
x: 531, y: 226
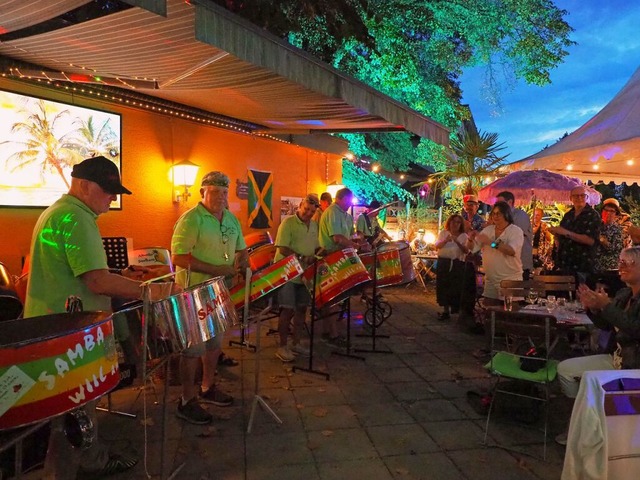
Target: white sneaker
x: 284, y: 354
x: 298, y: 348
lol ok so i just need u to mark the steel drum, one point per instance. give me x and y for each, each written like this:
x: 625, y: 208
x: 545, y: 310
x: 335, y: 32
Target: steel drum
x: 257, y: 239
x: 195, y: 315
x: 53, y: 364
x: 128, y: 325
x: 337, y: 275
x: 10, y: 303
x: 388, y: 267
x: 262, y: 257
x: 406, y: 263
x: 267, y: 280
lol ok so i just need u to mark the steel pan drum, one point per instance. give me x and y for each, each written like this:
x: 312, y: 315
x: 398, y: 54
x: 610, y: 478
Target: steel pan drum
x: 10, y: 303
x: 128, y: 324
x: 404, y: 251
x: 261, y: 257
x: 52, y: 364
x: 267, y: 280
x: 337, y: 275
x: 388, y: 267
x: 196, y: 315
x: 257, y: 239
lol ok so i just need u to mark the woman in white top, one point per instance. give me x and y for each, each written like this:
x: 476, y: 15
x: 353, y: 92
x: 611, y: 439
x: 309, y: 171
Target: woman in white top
x: 500, y: 244
x: 452, y: 249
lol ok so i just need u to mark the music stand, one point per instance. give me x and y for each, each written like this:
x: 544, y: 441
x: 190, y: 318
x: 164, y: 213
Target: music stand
x: 116, y: 250
x: 375, y: 306
x: 257, y: 399
x: 312, y: 319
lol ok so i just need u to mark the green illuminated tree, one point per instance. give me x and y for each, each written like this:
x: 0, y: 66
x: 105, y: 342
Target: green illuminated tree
x: 368, y: 186
x: 416, y: 50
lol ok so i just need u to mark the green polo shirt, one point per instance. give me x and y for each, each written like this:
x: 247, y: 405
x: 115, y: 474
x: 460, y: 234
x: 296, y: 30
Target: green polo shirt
x: 198, y: 232
x: 66, y: 243
x: 334, y: 221
x: 293, y: 233
x: 361, y: 225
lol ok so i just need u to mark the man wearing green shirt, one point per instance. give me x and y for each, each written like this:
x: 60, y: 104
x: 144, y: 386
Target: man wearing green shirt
x: 68, y: 258
x: 297, y: 234
x: 336, y: 225
x: 207, y: 241
x: 336, y: 229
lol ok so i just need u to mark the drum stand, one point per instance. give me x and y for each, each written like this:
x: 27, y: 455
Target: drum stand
x: 312, y: 320
x: 375, y: 308
x: 346, y: 308
x: 243, y: 339
x: 257, y: 399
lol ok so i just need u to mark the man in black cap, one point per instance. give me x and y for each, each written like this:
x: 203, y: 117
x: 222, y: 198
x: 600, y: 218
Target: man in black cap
x: 68, y: 258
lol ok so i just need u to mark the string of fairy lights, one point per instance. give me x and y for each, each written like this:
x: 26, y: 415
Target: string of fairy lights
x: 109, y: 89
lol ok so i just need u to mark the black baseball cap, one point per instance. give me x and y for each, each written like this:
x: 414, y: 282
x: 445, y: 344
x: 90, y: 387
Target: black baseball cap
x: 102, y: 171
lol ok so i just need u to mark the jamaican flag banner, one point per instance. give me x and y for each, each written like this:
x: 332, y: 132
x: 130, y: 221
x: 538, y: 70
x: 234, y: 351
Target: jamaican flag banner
x: 260, y: 193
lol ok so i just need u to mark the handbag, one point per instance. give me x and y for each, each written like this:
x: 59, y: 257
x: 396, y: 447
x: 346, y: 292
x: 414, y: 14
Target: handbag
x: 533, y: 360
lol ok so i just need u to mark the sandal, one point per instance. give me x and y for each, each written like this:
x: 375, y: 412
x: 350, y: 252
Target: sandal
x: 115, y: 464
x: 227, y: 361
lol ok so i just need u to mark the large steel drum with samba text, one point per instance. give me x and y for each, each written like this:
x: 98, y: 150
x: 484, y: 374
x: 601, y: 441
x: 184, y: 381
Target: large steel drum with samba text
x: 52, y: 364
x: 195, y: 315
x: 337, y: 275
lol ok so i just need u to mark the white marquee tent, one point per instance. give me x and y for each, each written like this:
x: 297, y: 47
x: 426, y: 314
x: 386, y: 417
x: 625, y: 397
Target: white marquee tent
x: 606, y: 148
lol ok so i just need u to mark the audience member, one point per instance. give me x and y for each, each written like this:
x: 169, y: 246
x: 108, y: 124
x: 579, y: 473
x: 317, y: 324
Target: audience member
x: 522, y: 220
x: 620, y: 315
x: 576, y: 237
x: 500, y: 244
x: 542, y: 243
x: 450, y: 270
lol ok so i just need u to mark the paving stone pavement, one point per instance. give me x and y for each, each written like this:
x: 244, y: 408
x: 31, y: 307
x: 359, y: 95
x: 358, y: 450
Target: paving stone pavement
x: 397, y: 415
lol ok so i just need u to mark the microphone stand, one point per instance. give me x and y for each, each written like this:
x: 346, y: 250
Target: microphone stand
x: 313, y: 319
x: 375, y: 311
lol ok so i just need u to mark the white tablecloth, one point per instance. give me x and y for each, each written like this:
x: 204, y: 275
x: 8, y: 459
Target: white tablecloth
x: 563, y: 315
x: 594, y: 437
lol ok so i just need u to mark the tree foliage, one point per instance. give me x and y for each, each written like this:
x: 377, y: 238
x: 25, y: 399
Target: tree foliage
x: 415, y: 51
x: 474, y: 156
x: 368, y: 186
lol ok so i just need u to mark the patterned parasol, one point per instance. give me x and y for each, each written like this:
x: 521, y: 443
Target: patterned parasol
x: 544, y: 185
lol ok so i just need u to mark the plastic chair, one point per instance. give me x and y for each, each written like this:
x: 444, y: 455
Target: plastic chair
x: 506, y: 365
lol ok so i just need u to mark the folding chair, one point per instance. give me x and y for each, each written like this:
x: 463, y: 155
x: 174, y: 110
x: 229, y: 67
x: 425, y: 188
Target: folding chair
x: 506, y: 365
x: 559, y: 285
x: 521, y: 288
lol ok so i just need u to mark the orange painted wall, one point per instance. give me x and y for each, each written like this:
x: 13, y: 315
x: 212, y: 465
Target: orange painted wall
x: 150, y: 143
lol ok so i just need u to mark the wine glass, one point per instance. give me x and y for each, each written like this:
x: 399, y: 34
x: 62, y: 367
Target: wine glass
x: 532, y: 297
x: 551, y: 303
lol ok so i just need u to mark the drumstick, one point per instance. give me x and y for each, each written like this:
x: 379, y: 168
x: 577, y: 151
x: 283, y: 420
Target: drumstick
x: 151, y: 280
